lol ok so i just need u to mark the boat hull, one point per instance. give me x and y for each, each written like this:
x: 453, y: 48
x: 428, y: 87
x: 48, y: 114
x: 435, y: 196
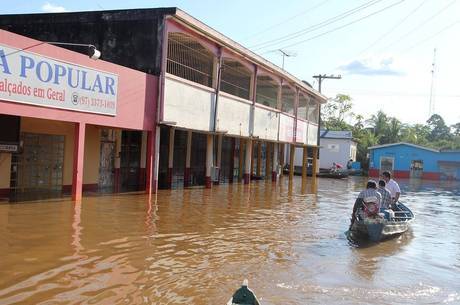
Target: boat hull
x: 381, y: 229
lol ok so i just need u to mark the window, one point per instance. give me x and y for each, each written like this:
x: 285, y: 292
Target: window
x: 188, y: 59
x: 267, y: 91
x: 235, y: 79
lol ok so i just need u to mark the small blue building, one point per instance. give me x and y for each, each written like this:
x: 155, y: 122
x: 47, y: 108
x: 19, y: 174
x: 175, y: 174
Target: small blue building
x: 407, y: 160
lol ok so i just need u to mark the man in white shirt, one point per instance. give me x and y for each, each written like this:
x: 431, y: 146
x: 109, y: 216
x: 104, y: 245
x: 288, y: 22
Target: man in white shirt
x: 392, y: 186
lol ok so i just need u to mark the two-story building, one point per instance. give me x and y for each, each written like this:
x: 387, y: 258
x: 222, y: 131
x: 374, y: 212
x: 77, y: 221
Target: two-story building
x: 221, y: 112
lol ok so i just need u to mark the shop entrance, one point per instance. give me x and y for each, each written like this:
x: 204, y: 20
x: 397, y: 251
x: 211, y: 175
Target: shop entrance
x: 107, y: 161
x: 130, y: 160
x: 36, y: 171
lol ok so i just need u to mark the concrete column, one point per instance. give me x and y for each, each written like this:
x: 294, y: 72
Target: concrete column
x: 188, y: 157
x: 150, y: 187
x: 275, y: 162
x: 240, y: 160
x: 219, y: 156
x: 259, y: 158
x: 117, y: 165
x: 209, y: 161
x: 78, y: 157
x: 291, y: 161
x: 248, y: 159
x: 170, y: 156
x: 143, y: 164
x: 315, y: 162
x: 304, y: 164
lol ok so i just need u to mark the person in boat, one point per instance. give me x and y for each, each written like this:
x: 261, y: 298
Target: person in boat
x: 386, y: 196
x: 244, y: 296
x: 350, y: 164
x: 392, y: 186
x: 367, y: 205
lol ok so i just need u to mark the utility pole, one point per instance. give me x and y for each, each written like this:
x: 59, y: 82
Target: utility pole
x: 286, y: 54
x: 324, y: 76
x: 431, y: 109
x: 320, y: 78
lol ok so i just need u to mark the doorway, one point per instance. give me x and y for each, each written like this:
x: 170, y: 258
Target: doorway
x: 37, y: 171
x: 130, y: 160
x: 107, y: 161
x: 416, y: 169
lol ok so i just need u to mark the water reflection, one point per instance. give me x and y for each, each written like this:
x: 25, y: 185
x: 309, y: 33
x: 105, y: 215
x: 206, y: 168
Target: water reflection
x: 194, y: 246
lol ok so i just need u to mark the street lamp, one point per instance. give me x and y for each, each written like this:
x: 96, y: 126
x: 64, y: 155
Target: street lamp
x: 93, y: 53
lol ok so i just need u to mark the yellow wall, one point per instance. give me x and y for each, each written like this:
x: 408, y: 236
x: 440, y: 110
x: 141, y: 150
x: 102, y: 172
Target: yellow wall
x: 5, y: 170
x: 92, y: 146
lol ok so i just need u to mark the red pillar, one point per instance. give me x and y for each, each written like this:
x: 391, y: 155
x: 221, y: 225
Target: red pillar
x: 78, y: 157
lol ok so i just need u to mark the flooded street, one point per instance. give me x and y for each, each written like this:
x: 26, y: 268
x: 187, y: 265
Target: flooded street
x: 196, y: 246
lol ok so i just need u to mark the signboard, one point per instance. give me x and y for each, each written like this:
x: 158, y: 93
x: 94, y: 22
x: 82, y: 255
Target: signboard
x: 30, y: 78
x: 9, y: 147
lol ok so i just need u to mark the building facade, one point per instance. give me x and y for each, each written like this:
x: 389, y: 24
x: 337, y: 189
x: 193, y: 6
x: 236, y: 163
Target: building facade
x: 216, y: 112
x: 407, y: 160
x: 336, y: 146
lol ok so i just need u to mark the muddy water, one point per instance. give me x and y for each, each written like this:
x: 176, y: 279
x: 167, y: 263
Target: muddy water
x: 196, y: 246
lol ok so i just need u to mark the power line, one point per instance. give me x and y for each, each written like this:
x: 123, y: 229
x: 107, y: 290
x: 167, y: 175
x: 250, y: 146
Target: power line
x: 316, y: 26
x: 288, y: 19
x: 424, y: 22
x: 431, y: 37
x: 393, y: 28
x: 345, y: 25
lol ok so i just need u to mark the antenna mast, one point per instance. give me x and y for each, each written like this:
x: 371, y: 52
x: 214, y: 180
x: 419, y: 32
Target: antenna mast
x: 431, y: 109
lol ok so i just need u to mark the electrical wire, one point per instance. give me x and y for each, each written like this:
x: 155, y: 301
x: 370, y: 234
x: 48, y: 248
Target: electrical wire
x: 431, y: 37
x: 315, y: 27
x: 309, y: 10
x: 393, y: 28
x: 344, y: 25
x: 424, y: 22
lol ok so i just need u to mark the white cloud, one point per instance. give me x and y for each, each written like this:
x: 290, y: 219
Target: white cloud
x: 51, y: 8
x: 372, y: 67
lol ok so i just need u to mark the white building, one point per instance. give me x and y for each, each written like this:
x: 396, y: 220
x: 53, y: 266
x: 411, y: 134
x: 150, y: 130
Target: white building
x: 336, y: 146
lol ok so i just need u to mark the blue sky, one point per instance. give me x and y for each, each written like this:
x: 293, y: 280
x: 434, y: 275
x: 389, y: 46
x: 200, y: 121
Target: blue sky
x: 383, y: 50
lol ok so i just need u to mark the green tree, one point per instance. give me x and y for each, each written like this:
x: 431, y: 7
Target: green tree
x: 456, y: 129
x: 438, y: 128
x: 379, y: 124
x: 336, y: 111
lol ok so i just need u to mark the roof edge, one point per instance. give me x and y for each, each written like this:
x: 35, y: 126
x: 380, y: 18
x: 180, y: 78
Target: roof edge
x: 403, y: 143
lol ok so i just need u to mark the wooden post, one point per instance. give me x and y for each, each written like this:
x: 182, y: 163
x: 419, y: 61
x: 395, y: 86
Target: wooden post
x: 291, y: 161
x: 259, y: 158
x: 188, y: 157
x: 315, y: 162
x: 304, y: 164
x: 209, y: 160
x: 268, y: 151
x: 240, y: 160
x: 248, y: 162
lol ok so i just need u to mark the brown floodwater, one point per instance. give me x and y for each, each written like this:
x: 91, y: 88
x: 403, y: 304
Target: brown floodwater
x: 196, y: 246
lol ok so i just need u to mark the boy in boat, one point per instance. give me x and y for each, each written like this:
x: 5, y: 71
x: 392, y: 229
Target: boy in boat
x: 367, y: 205
x: 392, y: 186
x: 386, y: 196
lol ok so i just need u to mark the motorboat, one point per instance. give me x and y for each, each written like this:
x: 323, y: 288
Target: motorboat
x: 386, y: 225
